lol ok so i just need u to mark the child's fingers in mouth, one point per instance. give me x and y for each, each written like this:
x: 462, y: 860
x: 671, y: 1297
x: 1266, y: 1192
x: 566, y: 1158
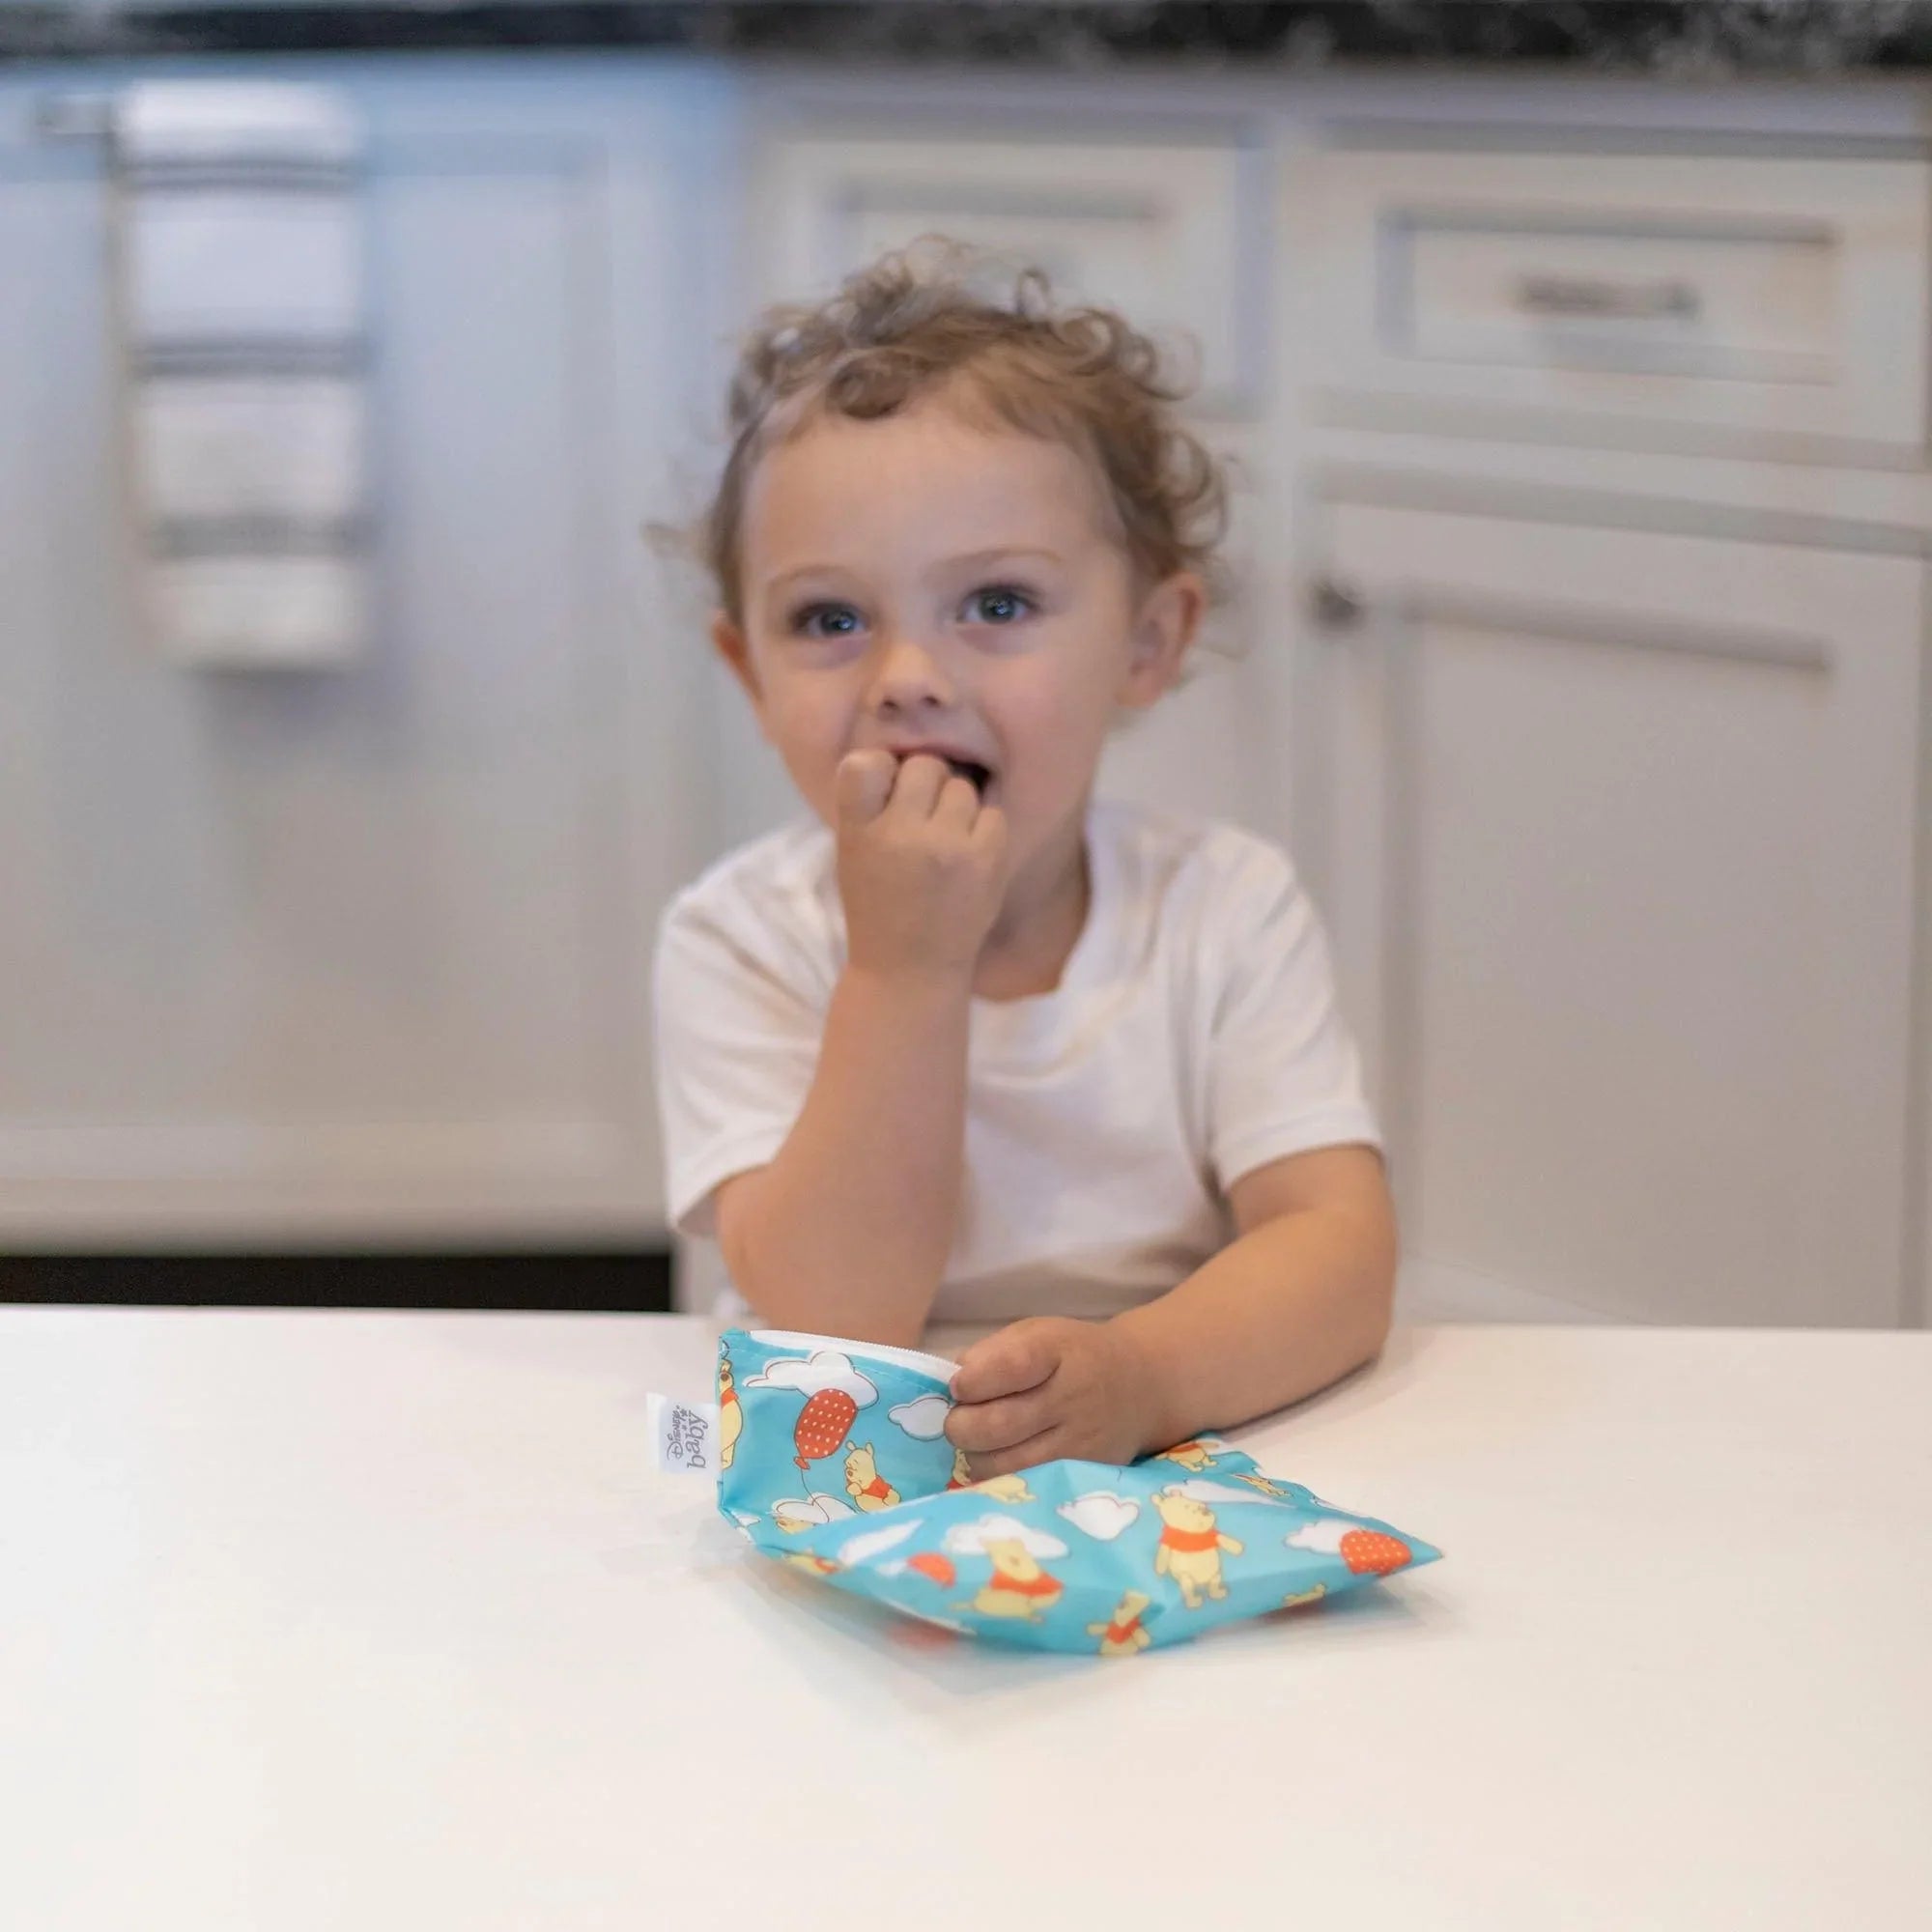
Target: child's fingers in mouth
x: 977, y: 774
x: 979, y: 777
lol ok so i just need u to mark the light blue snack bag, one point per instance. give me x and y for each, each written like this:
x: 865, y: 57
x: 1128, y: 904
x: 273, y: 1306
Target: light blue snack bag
x: 833, y: 1458
x: 815, y: 1431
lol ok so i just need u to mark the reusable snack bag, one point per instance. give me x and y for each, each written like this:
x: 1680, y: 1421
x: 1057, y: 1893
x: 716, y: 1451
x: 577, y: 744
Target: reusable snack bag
x: 832, y: 1456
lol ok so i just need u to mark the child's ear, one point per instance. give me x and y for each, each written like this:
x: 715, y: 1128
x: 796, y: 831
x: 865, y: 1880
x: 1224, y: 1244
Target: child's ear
x: 730, y: 643
x: 1164, y: 632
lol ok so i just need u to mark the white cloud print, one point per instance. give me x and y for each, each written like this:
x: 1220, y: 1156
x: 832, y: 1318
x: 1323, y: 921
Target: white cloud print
x: 864, y: 1548
x: 970, y: 1539
x: 808, y: 1512
x: 943, y: 1623
x: 1101, y: 1514
x: 1204, y: 1492
x: 826, y: 1370
x: 923, y: 1418
x: 1325, y: 1536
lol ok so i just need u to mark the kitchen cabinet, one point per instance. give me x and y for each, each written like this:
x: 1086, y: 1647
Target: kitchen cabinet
x: 362, y: 953
x: 1611, y: 732
x: 1581, y: 509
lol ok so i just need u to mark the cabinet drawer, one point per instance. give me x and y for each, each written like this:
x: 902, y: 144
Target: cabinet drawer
x: 1165, y: 229
x: 1647, y: 300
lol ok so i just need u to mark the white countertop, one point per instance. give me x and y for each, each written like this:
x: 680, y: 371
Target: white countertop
x: 331, y: 1619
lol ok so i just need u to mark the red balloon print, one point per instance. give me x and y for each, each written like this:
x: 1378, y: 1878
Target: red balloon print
x: 1370, y: 1553
x: 822, y: 1424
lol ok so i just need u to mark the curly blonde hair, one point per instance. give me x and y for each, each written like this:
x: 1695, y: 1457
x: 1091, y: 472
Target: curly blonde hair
x: 914, y: 322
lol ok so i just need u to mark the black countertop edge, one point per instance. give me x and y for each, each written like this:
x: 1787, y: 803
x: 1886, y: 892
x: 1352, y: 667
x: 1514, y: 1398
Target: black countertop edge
x: 1686, y: 37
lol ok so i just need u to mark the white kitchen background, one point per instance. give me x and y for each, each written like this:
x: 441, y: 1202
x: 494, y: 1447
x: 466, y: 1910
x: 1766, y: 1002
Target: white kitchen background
x: 1585, y: 503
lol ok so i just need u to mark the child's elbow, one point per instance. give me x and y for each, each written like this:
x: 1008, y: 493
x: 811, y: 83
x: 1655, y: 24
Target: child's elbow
x: 1381, y: 1266
x: 1378, y: 1318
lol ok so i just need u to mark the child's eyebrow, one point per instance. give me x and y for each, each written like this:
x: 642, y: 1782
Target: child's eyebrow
x: 971, y: 559
x: 798, y: 570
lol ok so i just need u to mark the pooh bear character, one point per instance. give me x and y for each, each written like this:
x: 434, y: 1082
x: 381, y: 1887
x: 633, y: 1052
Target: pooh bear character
x: 812, y: 1566
x: 795, y: 1517
x: 1123, y: 1636
x: 1190, y: 1548
x: 867, y: 1487
x: 1196, y: 1457
x: 1019, y: 1586
x: 1006, y: 1489
x: 1298, y: 1599
x: 961, y: 1477
x: 1267, y: 1486
x: 731, y: 1412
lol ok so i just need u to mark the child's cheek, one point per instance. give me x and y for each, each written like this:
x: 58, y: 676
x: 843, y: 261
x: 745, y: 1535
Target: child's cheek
x: 808, y: 741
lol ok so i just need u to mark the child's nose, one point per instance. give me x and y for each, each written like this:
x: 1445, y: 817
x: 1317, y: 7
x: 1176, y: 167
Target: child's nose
x: 908, y: 676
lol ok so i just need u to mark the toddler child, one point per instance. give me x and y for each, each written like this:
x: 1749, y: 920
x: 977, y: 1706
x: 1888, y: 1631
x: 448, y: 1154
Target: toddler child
x: 969, y: 1045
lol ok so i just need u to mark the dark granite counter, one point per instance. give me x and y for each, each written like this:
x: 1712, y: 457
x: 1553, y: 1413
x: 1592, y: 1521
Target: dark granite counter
x: 1683, y: 37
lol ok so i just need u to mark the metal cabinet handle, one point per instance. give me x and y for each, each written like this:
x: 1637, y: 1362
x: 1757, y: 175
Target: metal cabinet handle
x: 1573, y: 295
x: 1333, y: 606
x: 74, y: 117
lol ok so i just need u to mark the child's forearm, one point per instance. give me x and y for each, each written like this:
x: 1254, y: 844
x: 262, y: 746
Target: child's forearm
x: 846, y: 1231
x: 1290, y: 1307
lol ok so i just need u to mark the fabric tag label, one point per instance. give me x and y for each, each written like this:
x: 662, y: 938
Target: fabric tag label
x: 684, y: 1434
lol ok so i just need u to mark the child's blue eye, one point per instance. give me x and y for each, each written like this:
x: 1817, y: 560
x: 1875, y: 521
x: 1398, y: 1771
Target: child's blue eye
x: 826, y: 620
x: 998, y: 604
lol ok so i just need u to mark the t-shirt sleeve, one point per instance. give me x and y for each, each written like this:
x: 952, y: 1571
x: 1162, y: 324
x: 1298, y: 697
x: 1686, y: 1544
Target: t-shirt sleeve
x: 1284, y: 1074
x: 736, y: 1043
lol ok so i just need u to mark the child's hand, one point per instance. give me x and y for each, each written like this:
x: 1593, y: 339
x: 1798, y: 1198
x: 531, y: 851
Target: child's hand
x: 921, y: 863
x: 1050, y: 1387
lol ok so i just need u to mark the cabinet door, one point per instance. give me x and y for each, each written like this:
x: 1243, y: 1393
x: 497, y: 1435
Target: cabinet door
x: 363, y: 953
x: 1617, y: 846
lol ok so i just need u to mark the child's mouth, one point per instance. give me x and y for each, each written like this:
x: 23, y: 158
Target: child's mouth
x: 974, y: 774
x: 979, y: 777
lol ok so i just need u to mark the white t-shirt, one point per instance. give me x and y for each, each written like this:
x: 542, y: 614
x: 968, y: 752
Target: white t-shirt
x: 1194, y: 1036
